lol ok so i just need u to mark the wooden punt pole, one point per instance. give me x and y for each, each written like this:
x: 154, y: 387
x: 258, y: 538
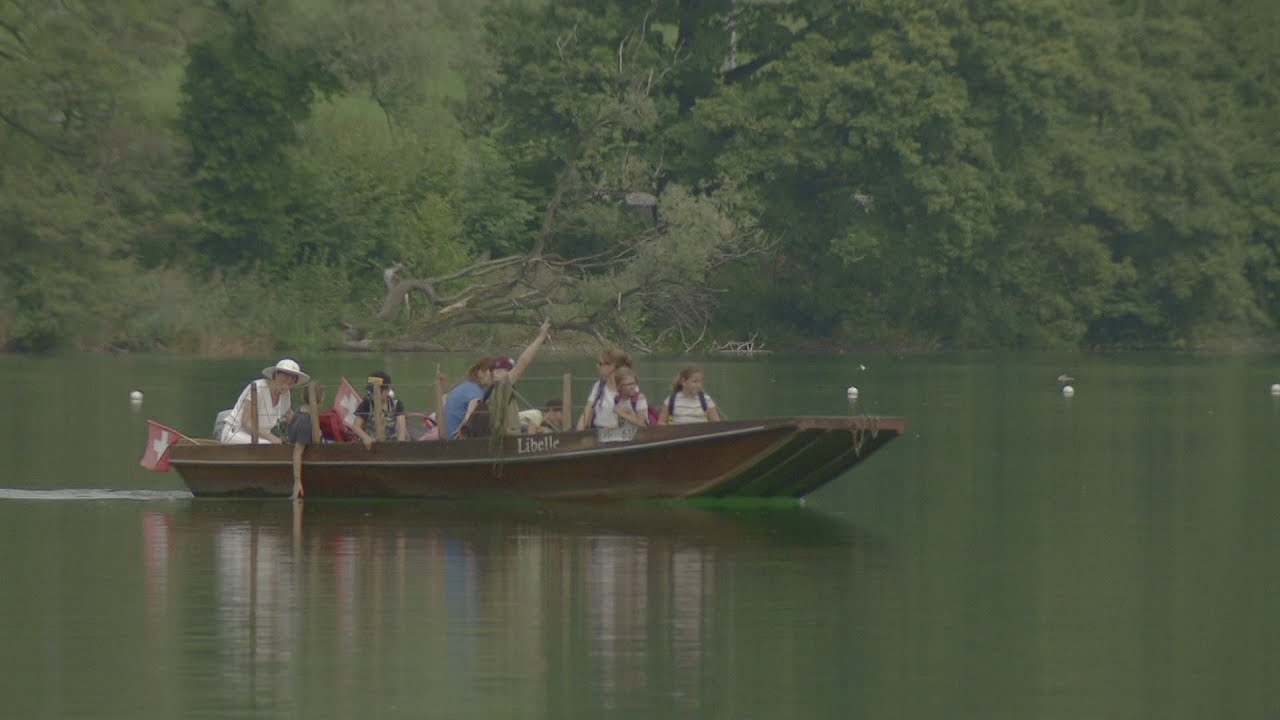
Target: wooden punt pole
x: 439, y: 403
x: 313, y: 407
x: 253, y: 413
x: 379, y: 426
x: 566, y: 401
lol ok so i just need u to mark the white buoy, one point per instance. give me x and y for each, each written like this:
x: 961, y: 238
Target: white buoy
x: 852, y: 392
x: 135, y: 396
x: 1068, y: 391
x: 1275, y: 389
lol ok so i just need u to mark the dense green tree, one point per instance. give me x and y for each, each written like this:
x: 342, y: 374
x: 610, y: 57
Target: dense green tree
x: 88, y: 181
x: 242, y: 101
x: 1015, y: 173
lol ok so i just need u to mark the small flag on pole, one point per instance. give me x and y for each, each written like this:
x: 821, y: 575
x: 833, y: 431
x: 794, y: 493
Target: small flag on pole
x: 159, y: 439
x: 346, y: 400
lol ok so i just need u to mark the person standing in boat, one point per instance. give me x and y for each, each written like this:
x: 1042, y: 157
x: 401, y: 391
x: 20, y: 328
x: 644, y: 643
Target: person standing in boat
x: 274, y: 404
x: 499, y: 399
x: 395, y: 424
x: 601, y: 398
x: 461, y: 397
x: 688, y: 403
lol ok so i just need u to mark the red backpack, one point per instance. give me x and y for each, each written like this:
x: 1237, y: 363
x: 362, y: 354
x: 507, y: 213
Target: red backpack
x: 333, y: 428
x: 635, y: 405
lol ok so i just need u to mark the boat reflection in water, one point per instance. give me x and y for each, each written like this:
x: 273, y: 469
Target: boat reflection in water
x: 564, y: 607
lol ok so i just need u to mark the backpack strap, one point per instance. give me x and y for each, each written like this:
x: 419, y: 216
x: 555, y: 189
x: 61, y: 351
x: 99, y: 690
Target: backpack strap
x: 671, y: 404
x: 598, y: 389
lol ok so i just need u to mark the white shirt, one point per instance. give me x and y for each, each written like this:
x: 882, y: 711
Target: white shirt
x: 605, y: 417
x: 688, y: 409
x: 268, y: 414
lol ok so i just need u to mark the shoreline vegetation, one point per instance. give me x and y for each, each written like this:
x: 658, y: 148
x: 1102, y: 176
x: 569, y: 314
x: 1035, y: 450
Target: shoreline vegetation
x: 167, y: 320
x: 672, y: 178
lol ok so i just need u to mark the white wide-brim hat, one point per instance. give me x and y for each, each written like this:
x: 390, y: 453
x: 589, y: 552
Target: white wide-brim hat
x: 288, y: 366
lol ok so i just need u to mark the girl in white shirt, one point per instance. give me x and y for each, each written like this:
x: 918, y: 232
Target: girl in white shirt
x: 630, y: 406
x: 687, y: 402
x: 600, y: 401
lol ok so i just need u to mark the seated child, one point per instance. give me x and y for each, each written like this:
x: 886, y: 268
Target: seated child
x: 552, y: 416
x: 394, y: 425
x: 687, y: 402
x: 630, y: 406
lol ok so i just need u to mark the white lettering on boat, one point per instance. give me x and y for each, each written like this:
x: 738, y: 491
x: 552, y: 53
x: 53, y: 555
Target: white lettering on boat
x: 525, y: 445
x: 619, y: 434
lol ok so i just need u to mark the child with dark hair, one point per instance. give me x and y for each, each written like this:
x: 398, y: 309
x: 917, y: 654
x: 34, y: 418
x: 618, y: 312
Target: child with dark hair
x: 394, y: 424
x: 552, y: 416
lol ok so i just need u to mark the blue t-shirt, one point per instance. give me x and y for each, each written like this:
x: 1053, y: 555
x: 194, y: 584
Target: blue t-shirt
x: 455, y: 406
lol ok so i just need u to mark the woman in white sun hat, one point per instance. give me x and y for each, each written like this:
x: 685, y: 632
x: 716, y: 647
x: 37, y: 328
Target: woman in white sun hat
x: 273, y: 404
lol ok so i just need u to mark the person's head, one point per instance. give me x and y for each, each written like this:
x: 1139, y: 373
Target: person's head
x: 381, y: 379
x: 480, y: 372
x: 625, y: 380
x: 286, y: 373
x: 611, y: 360
x: 553, y: 412
x: 501, y: 367
x: 689, y: 381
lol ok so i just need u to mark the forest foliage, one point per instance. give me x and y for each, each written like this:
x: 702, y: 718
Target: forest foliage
x: 229, y: 175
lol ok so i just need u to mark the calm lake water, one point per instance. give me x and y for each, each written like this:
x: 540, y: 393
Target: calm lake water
x: 1017, y: 555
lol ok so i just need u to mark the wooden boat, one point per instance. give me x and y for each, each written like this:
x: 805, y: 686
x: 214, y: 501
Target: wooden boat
x: 768, y: 458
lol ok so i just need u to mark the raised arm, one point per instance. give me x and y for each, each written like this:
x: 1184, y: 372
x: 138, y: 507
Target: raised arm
x: 526, y: 357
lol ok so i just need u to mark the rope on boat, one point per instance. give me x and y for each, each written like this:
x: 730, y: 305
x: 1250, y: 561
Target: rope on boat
x: 863, y: 429
x: 498, y: 416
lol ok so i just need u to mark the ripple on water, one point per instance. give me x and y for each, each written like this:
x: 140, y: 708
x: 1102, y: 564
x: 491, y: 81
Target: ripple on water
x: 94, y: 494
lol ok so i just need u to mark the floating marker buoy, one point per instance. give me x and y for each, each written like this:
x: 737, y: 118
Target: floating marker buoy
x: 135, y: 396
x: 1275, y: 389
x: 1068, y: 391
x: 852, y: 392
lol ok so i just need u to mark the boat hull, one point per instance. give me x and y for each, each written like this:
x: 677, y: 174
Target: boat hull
x: 777, y: 457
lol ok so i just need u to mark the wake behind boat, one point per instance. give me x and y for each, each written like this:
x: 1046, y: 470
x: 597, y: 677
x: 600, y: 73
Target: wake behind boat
x: 766, y: 458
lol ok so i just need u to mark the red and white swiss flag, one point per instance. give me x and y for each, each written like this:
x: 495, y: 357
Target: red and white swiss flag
x: 346, y: 400
x: 159, y: 439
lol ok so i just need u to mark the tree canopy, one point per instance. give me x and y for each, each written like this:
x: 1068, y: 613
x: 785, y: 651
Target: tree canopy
x: 663, y: 174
